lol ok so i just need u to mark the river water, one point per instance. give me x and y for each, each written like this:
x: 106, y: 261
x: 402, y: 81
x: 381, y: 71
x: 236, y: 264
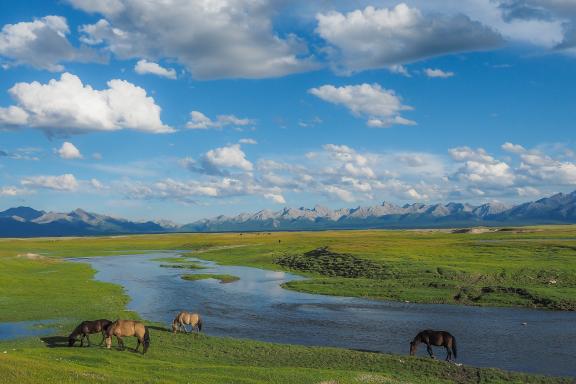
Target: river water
x: 19, y: 329
x: 256, y: 307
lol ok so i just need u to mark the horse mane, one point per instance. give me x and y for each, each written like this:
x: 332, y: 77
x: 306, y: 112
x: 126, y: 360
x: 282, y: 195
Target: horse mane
x: 78, y: 329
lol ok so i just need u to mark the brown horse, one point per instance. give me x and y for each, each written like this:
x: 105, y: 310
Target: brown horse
x: 121, y: 328
x: 86, y: 328
x: 437, y: 338
x: 184, y: 318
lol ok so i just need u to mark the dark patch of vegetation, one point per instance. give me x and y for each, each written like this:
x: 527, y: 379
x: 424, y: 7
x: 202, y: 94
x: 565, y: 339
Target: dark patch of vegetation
x: 474, y: 294
x: 537, y: 301
x: 325, y: 262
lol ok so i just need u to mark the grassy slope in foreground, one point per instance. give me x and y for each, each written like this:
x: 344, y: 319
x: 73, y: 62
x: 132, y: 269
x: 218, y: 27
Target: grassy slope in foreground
x: 41, y: 288
x: 186, y: 358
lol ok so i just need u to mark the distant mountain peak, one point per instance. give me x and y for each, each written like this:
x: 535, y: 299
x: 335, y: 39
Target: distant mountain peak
x: 25, y: 213
x: 389, y: 215
x: 558, y: 208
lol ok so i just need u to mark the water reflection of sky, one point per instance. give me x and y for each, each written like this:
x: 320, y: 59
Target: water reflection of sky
x: 257, y: 307
x: 19, y: 329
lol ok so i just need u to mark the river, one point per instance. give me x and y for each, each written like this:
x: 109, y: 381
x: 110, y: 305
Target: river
x: 256, y: 307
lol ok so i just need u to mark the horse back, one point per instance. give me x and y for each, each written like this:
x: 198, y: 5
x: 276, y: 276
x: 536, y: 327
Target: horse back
x: 187, y: 318
x: 102, y: 324
x: 441, y: 338
x: 127, y: 328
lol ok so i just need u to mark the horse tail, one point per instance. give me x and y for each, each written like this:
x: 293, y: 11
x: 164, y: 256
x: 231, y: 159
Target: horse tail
x: 454, y: 351
x: 199, y: 324
x: 146, y: 343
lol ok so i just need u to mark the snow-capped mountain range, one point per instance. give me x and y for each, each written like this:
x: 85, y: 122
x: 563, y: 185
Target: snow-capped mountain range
x: 556, y: 209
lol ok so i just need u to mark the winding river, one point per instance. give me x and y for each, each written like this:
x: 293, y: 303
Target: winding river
x: 256, y: 307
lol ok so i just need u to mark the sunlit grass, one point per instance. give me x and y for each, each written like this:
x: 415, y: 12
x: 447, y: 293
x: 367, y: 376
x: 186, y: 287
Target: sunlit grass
x: 420, y: 266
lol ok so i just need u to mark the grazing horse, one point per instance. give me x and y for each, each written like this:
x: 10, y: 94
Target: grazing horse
x: 184, y: 318
x: 437, y: 338
x: 121, y: 328
x: 86, y: 328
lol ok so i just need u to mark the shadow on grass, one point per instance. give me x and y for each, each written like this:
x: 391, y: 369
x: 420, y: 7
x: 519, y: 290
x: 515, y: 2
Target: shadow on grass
x: 365, y: 350
x: 62, y: 341
x: 55, y: 341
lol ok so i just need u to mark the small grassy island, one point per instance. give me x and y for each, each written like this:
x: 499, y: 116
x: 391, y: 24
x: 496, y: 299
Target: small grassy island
x: 224, y: 279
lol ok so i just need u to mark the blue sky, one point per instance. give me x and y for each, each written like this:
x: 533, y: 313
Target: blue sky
x: 189, y: 109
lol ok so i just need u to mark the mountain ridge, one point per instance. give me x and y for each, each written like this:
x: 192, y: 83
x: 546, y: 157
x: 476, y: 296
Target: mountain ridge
x: 556, y: 209
x: 559, y: 208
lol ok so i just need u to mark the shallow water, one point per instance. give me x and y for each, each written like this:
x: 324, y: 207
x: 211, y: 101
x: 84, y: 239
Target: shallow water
x: 256, y: 307
x: 25, y: 329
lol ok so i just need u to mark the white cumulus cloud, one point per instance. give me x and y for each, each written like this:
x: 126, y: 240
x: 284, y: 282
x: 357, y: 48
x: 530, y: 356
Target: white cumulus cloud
x: 41, y: 43
x: 382, y: 37
x: 69, y: 151
x: 513, y: 148
x: 480, y: 169
x: 278, y: 199
x: 212, y: 39
x: 382, y: 107
x: 144, y: 67
x: 67, y: 106
x: 13, y: 191
x: 229, y: 157
x: 66, y: 182
x: 435, y: 72
x: 198, y: 120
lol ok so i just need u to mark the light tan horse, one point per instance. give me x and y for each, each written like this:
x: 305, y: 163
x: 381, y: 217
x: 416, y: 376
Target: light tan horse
x: 121, y: 328
x: 184, y: 318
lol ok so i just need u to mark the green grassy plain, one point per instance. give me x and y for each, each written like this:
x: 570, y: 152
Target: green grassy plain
x: 421, y: 266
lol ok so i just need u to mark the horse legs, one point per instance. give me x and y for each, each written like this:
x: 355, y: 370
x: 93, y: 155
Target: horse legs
x: 429, y: 349
x: 138, y: 345
x: 448, y: 353
x: 103, y: 337
x: 88, y: 339
x: 120, y: 343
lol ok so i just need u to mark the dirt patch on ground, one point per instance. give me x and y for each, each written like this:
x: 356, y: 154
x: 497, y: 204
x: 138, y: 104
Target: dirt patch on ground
x: 36, y: 257
x: 31, y: 256
x: 475, y: 230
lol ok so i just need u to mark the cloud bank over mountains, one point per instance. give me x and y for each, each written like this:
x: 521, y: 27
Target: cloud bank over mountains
x: 338, y: 172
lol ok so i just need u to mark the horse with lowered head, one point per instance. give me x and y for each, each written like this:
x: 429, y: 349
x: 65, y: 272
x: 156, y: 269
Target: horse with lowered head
x: 437, y: 338
x: 86, y: 328
x: 122, y: 328
x: 184, y: 318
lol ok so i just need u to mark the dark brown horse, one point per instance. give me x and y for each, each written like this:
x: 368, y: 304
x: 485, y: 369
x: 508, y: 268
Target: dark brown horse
x: 437, y: 338
x: 86, y: 328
